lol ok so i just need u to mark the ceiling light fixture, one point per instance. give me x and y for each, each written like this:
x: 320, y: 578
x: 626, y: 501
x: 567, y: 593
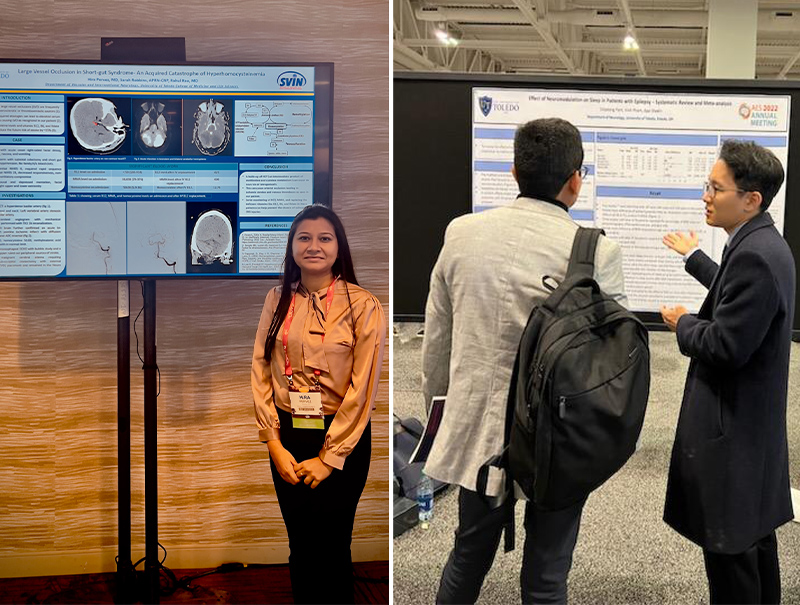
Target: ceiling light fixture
x: 444, y: 37
x: 630, y: 43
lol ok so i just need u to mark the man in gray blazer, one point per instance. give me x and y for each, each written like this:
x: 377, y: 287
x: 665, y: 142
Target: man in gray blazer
x: 488, y: 277
x: 728, y: 483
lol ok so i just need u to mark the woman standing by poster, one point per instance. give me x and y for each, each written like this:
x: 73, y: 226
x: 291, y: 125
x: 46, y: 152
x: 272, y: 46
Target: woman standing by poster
x: 316, y: 365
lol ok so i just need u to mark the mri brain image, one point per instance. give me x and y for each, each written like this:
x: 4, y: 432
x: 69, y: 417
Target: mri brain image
x: 212, y: 127
x: 153, y: 125
x: 96, y: 126
x: 212, y: 239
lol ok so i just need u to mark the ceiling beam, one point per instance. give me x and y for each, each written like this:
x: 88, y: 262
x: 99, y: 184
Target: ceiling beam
x: 687, y: 49
x: 789, y: 64
x: 475, y: 57
x: 626, y: 9
x: 453, y: 58
x: 542, y: 28
x: 412, y: 59
x: 525, y: 45
x: 644, y: 18
x: 410, y: 21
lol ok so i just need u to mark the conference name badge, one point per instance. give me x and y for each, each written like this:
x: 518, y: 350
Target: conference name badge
x: 306, y: 409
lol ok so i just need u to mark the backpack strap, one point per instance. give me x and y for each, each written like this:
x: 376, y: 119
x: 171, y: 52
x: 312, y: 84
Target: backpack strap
x: 505, y: 500
x: 584, y: 246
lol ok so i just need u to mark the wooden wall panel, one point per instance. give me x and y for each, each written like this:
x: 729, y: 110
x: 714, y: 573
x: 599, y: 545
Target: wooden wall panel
x: 58, y: 398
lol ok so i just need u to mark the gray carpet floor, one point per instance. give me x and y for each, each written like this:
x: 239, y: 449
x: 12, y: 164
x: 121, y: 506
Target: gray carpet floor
x: 625, y: 552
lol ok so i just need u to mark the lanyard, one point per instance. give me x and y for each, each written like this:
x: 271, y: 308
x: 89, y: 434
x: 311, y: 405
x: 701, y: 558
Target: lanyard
x: 288, y: 323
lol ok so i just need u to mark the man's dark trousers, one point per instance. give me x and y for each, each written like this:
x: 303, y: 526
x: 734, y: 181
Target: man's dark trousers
x: 752, y: 576
x: 550, y: 538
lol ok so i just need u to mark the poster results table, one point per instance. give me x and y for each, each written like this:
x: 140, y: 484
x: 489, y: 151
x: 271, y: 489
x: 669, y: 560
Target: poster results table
x: 141, y: 170
x: 648, y: 156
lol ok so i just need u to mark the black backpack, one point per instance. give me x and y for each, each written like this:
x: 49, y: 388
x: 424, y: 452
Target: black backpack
x: 579, y: 389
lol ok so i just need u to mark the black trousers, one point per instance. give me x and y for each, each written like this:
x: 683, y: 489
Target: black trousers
x: 319, y: 521
x: 752, y: 576
x: 550, y: 538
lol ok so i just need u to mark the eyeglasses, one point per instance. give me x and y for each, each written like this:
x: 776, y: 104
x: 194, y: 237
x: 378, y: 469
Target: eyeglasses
x: 712, y: 190
x: 582, y: 172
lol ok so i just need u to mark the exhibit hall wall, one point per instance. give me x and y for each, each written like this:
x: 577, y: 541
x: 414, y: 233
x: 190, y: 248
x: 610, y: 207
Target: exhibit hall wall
x: 58, y: 358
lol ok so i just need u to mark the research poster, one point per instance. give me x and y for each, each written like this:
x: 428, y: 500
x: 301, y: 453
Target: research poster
x: 126, y: 170
x: 648, y: 156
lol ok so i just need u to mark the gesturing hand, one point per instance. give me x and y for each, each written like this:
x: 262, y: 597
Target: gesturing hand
x: 284, y: 461
x: 681, y: 242
x: 313, y: 471
x: 671, y: 315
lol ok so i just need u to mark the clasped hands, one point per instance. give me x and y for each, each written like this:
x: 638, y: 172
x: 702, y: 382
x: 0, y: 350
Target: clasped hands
x: 681, y: 243
x: 312, y: 471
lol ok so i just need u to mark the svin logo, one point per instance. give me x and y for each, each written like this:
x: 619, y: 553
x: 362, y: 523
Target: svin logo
x: 291, y: 79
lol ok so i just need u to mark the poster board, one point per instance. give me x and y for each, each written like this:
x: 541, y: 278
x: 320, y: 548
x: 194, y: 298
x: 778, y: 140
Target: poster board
x: 117, y: 171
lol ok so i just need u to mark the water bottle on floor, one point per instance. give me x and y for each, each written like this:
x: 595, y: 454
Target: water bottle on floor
x: 425, y: 500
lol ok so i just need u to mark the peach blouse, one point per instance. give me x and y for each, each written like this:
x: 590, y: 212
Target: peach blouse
x: 350, y: 363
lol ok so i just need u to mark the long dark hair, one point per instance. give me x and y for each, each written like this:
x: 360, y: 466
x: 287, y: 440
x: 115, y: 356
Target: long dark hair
x: 342, y: 268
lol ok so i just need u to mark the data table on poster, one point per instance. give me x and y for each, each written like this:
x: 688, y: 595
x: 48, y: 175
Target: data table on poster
x: 647, y: 157
x: 127, y: 178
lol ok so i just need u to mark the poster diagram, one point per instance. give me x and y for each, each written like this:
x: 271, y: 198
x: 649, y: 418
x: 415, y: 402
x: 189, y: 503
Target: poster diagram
x: 274, y: 128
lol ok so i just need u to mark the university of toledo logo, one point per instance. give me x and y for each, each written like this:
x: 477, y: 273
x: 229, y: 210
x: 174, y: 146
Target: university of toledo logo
x: 486, y: 105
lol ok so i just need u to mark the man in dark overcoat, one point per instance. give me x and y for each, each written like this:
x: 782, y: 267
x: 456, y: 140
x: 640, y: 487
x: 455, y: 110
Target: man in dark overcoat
x: 728, y: 486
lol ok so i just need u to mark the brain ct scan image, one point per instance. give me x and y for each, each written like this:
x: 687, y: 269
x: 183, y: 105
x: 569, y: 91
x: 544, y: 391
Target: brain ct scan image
x: 212, y: 239
x: 97, y: 126
x: 212, y: 127
x: 157, y: 127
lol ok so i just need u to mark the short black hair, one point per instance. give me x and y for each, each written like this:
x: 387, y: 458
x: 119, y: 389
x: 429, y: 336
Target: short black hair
x: 754, y: 168
x: 546, y: 153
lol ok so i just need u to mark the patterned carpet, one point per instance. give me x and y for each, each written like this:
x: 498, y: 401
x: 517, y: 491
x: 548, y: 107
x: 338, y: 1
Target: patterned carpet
x: 625, y: 554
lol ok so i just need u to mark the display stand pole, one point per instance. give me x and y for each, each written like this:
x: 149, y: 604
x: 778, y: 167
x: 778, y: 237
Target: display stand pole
x: 138, y: 50
x: 152, y: 566
x: 124, y: 563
